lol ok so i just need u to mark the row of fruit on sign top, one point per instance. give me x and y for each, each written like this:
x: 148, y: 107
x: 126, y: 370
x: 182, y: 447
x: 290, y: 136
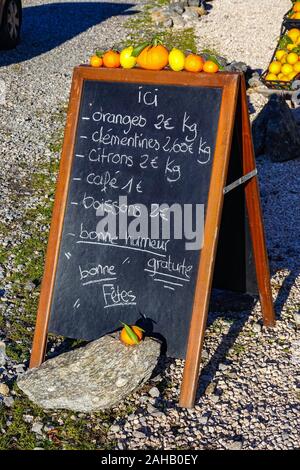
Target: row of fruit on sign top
x: 153, y: 56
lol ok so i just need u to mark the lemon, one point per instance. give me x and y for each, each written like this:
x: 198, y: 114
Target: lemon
x: 275, y: 67
x: 280, y: 75
x: 292, y: 58
x: 176, y: 59
x: 290, y: 47
x: 283, y: 60
x: 292, y: 75
x: 285, y: 79
x: 297, y: 67
x: 127, y: 61
x: 293, y: 34
x: 271, y: 77
x: 280, y: 54
x: 286, y: 69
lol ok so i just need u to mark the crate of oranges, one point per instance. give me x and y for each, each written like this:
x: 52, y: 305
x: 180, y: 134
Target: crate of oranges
x: 285, y: 64
x: 292, y: 17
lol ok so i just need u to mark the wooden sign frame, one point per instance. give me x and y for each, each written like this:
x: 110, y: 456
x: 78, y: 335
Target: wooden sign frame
x: 233, y: 111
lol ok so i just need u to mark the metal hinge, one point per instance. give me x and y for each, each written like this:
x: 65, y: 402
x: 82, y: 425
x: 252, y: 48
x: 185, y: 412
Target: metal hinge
x: 241, y: 180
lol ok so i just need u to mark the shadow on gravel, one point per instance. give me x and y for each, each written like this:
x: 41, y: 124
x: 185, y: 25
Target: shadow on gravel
x: 48, y: 26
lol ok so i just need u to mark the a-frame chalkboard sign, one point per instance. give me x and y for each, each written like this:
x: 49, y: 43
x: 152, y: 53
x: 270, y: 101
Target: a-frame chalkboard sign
x: 142, y: 140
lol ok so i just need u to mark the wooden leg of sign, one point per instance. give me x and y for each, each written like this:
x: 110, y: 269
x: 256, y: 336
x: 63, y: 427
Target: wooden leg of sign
x: 255, y: 213
x: 208, y: 253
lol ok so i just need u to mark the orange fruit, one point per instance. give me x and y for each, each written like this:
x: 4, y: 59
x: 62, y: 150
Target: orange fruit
x: 96, y: 61
x: 210, y: 67
x: 296, y: 7
x: 296, y: 16
x: 131, y: 335
x: 275, y: 67
x: 111, y: 59
x: 193, y: 63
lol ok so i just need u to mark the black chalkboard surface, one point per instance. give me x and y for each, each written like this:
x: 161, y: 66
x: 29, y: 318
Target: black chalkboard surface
x: 153, y: 144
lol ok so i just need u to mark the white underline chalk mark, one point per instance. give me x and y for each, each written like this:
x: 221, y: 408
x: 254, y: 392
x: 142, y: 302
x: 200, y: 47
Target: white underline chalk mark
x: 122, y: 246
x: 79, y: 155
x: 168, y: 287
x: 74, y: 203
x: 71, y: 234
x: 120, y: 305
x: 169, y: 282
x: 126, y: 260
x: 68, y: 255
x: 99, y: 280
x: 165, y: 274
x: 76, y: 179
x: 77, y: 304
x: 83, y: 137
x: 86, y: 118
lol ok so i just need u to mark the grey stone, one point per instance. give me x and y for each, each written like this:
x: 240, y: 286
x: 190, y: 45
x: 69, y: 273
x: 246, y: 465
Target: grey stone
x: 27, y: 418
x: 115, y: 428
x: 3, y: 357
x: 29, y: 286
x: 154, y: 392
x: 275, y: 131
x: 37, y: 428
x: 194, y: 3
x: 236, y: 445
x: 8, y: 401
x: 4, y: 390
x: 178, y: 22
x: 190, y: 14
x: 168, y: 23
x: 210, y: 389
x: 223, y: 367
x: 94, y: 377
x: 297, y: 319
x: 139, y: 434
x: 256, y: 327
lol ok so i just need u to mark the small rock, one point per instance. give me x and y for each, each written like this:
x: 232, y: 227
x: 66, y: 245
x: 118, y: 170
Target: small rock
x: 190, y: 14
x: 139, y: 434
x: 203, y: 420
x: 8, y: 401
x: 256, y: 327
x: 29, y: 286
x: 236, y: 445
x: 37, y: 428
x: 27, y: 418
x: 168, y: 23
x: 4, y: 390
x: 178, y: 8
x: 223, y: 367
x: 297, y: 319
x: 115, y: 428
x: 3, y: 357
x: 154, y: 392
x: 210, y: 389
x: 194, y: 3
x: 215, y: 398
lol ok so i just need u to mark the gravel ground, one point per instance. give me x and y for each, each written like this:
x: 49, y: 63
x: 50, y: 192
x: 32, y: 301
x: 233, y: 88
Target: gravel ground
x: 250, y: 382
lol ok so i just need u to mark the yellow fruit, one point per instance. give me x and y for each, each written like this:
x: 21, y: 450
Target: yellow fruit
x: 127, y: 61
x: 283, y: 60
x: 286, y: 69
x: 297, y: 67
x: 176, y: 59
x: 292, y: 75
x: 280, y: 54
x: 290, y: 47
x: 280, y: 75
x: 296, y: 16
x: 275, y: 67
x: 271, y: 77
x: 285, y: 79
x: 292, y: 58
x: 293, y: 34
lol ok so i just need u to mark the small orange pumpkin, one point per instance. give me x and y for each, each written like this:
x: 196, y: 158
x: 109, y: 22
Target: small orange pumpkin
x: 153, y: 57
